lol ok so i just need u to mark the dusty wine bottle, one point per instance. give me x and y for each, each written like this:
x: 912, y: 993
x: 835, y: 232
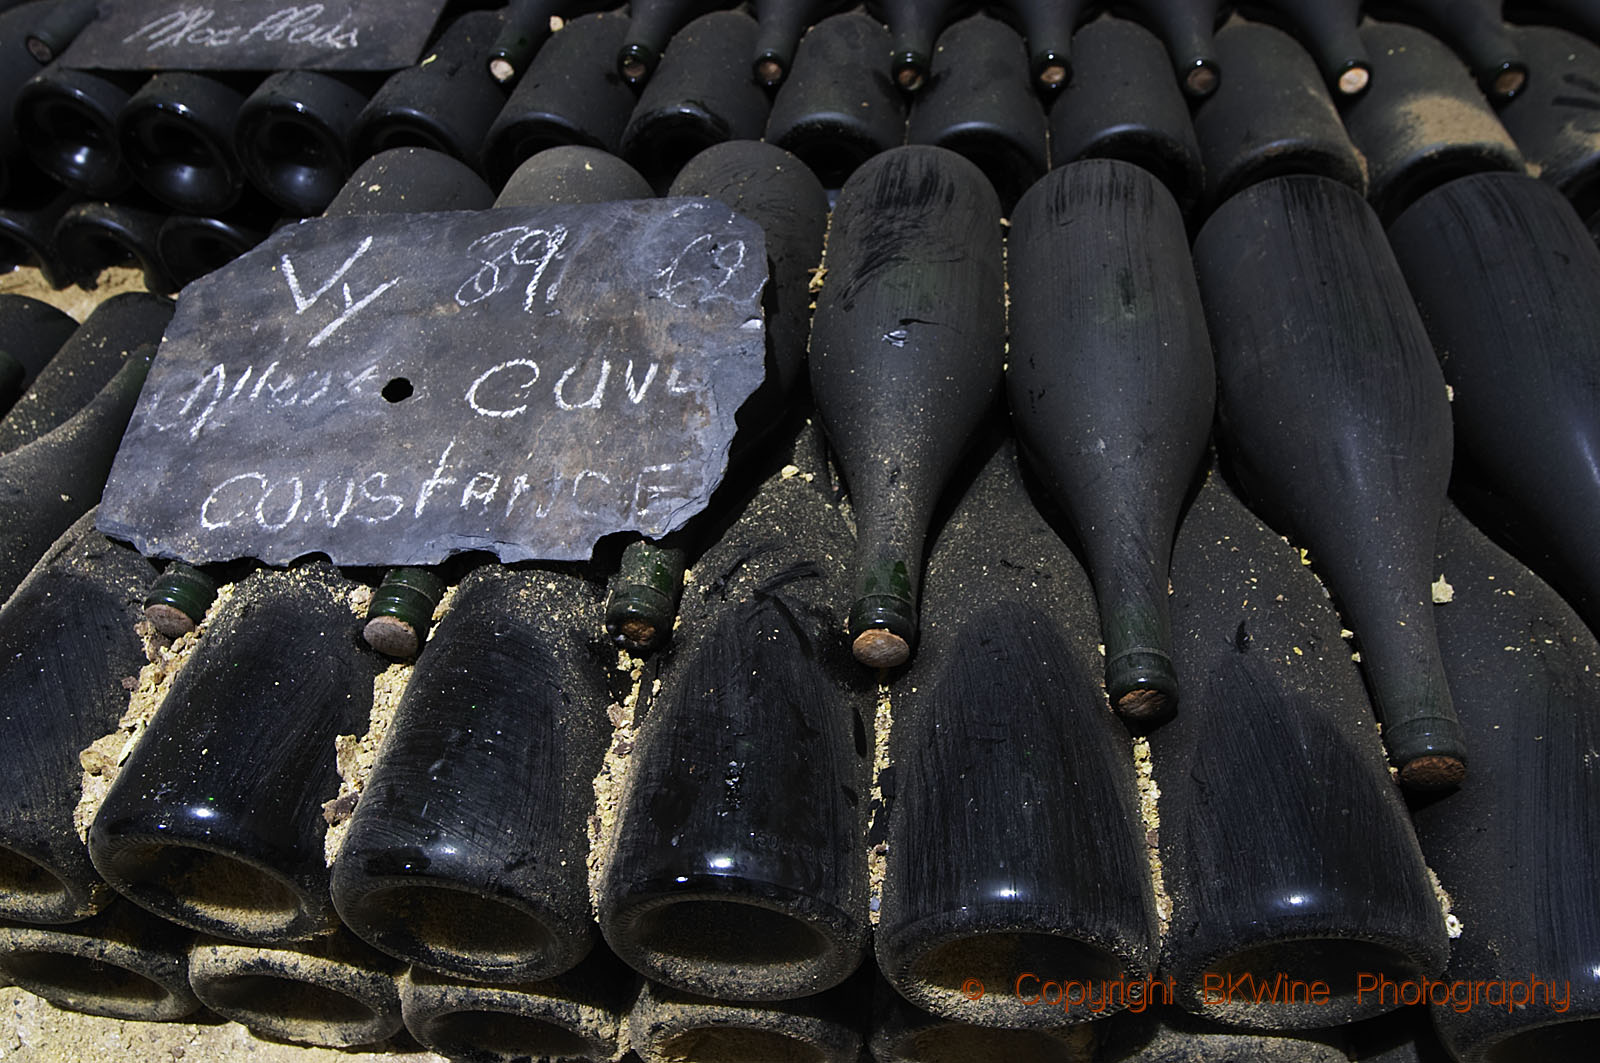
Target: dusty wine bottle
x: 59, y: 26
x: 33, y: 204
x: 571, y: 94
x: 737, y: 869
x: 1123, y: 104
x: 1474, y: 31
x: 215, y: 820
x: 466, y: 852
x: 777, y: 191
x: 1111, y: 385
x: 1186, y: 26
x: 1329, y: 30
x: 906, y: 356
x: 578, y: 1015
x: 445, y: 102
x: 93, y: 237
x: 1423, y: 122
x: 1285, y: 847
x: 334, y: 992
x: 67, y: 121
x: 1272, y: 117
x: 781, y: 24
x: 1047, y: 26
x: 913, y: 25
x: 1014, y: 842
x: 176, y: 135
x: 652, y: 24
x: 527, y: 25
x: 702, y: 95
x: 84, y: 364
x: 78, y: 605
x: 978, y: 103
x: 837, y: 109
x: 410, y: 181
x: 192, y: 246
x: 17, y: 65
x: 48, y: 483
x: 1336, y: 417
x: 31, y: 332
x: 1552, y: 119
x: 668, y: 1025
x: 122, y: 964
x: 1505, y: 277
x: 1513, y: 848
x: 292, y: 136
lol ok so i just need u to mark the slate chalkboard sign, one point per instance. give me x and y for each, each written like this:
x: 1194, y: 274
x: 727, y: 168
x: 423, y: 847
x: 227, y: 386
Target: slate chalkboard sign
x: 391, y: 389
x: 372, y: 35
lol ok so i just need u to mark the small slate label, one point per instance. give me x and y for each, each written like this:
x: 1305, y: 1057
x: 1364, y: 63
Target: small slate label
x: 255, y: 35
x: 391, y: 389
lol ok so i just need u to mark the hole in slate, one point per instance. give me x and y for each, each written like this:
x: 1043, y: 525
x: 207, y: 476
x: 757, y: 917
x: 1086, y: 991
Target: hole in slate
x: 397, y: 390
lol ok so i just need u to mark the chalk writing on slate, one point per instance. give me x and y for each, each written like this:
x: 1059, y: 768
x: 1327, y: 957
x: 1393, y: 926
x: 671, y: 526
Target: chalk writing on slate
x: 391, y: 389
x: 372, y: 35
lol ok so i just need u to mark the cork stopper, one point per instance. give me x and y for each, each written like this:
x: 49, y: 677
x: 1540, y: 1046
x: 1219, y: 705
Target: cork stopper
x: 878, y: 648
x: 402, y: 611
x: 644, y: 596
x: 910, y: 70
x: 1433, y: 773
x: 178, y: 601
x: 1202, y: 79
x: 769, y: 70
x: 1353, y: 81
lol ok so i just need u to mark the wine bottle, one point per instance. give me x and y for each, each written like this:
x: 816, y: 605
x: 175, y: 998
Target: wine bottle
x: 1514, y: 848
x: 84, y: 364
x: 781, y: 24
x: 192, y: 246
x: 701, y: 96
x: 17, y: 65
x: 123, y: 964
x: 571, y: 94
x: 215, y: 820
x: 668, y: 1025
x: 578, y: 1015
x: 913, y: 26
x: 292, y: 136
x: 50, y: 482
x: 446, y: 102
x: 1123, y: 104
x: 527, y: 25
x: 31, y: 332
x: 902, y: 1033
x: 572, y: 174
x: 1423, y: 122
x: 836, y: 109
x: 1474, y: 31
x: 1186, y: 27
x: 1047, y: 26
x: 772, y: 188
x: 57, y: 27
x: 67, y: 121
x: 738, y: 870
x: 78, y: 605
x: 466, y: 853
x: 30, y: 206
x: 906, y: 357
x: 1505, y: 275
x: 1273, y: 117
x: 334, y: 992
x: 176, y: 135
x: 1552, y: 119
x: 652, y: 24
x: 1014, y: 842
x: 93, y: 237
x: 978, y: 103
x: 1293, y: 872
x: 410, y: 181
x: 1163, y: 1034
x: 1336, y: 417
x: 1329, y: 30
x: 1111, y: 386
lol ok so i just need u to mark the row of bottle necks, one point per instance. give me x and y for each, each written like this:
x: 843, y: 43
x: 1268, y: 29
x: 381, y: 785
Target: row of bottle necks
x: 743, y: 802
x: 231, y: 156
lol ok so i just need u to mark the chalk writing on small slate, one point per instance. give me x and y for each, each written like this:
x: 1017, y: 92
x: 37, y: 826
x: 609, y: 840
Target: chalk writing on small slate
x: 255, y: 35
x: 391, y: 389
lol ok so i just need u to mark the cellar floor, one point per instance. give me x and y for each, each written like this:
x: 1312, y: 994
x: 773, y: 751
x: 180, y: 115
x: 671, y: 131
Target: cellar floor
x: 34, y: 1031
